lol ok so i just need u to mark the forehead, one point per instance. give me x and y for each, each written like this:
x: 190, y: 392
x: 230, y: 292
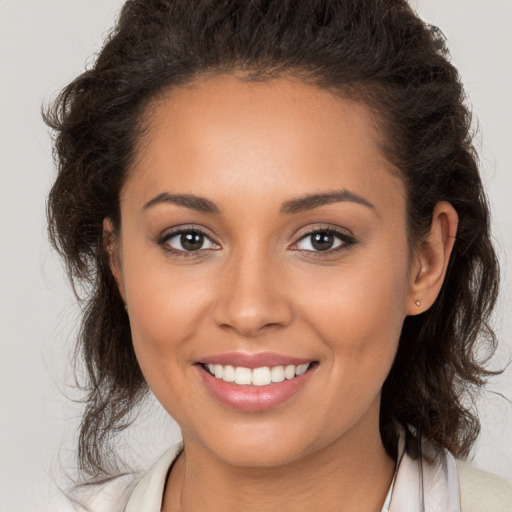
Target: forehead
x: 222, y: 134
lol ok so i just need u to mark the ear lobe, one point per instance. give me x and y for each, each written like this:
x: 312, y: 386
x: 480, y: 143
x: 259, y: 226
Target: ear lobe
x: 113, y: 250
x: 431, y: 259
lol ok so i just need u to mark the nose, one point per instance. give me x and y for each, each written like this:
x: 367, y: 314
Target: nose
x: 252, y: 296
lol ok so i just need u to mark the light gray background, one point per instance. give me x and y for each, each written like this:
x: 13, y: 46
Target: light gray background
x: 43, y: 45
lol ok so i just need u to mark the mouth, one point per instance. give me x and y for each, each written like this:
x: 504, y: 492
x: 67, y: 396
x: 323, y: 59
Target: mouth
x: 253, y: 386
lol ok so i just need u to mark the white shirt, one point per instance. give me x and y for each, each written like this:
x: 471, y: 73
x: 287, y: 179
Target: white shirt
x: 416, y: 487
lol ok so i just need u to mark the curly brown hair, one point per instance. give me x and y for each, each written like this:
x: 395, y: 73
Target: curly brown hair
x: 377, y: 52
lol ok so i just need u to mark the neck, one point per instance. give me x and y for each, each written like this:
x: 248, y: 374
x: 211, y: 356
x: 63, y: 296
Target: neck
x: 352, y: 474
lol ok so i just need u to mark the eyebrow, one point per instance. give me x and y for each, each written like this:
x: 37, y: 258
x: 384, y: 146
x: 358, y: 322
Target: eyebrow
x: 311, y: 201
x: 200, y: 204
x: 300, y: 204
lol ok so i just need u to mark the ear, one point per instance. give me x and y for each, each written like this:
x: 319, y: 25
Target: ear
x: 431, y: 259
x: 112, y: 247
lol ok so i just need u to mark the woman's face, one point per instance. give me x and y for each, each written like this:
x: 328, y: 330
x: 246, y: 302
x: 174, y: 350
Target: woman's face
x: 264, y: 233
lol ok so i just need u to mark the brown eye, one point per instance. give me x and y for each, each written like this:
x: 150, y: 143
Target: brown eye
x: 191, y: 241
x: 323, y: 240
x: 319, y: 241
x: 188, y: 241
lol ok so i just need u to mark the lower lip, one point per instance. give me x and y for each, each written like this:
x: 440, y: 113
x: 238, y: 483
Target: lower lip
x: 253, y: 398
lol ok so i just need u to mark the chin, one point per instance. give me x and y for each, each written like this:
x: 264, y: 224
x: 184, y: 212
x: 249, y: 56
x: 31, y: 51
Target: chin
x: 262, y: 445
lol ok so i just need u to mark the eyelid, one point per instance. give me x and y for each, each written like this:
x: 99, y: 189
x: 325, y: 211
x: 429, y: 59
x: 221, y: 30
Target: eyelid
x: 179, y: 230
x: 347, y: 239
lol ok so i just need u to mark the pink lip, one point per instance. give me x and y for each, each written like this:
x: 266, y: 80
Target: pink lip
x: 252, y: 361
x: 253, y: 398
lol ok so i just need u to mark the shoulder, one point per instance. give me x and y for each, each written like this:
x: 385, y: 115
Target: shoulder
x: 482, y: 491
x: 128, y: 492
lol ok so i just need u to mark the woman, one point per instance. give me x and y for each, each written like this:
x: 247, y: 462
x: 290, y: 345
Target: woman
x: 277, y: 209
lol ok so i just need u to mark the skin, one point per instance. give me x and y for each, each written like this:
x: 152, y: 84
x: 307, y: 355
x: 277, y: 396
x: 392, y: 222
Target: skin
x: 258, y: 285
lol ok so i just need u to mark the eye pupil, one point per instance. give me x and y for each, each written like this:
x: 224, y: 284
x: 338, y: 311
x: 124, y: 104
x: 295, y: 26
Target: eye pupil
x: 322, y: 241
x: 191, y: 241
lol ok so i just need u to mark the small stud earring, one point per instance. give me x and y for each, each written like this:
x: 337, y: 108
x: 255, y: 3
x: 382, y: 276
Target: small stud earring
x: 418, y: 303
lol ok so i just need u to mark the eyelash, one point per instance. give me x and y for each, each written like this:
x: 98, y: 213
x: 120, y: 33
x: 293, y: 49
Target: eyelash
x: 346, y: 241
x: 164, y: 239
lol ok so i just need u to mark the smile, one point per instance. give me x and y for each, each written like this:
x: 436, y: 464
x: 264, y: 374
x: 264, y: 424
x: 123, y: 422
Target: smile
x: 263, y: 376
x: 255, y: 383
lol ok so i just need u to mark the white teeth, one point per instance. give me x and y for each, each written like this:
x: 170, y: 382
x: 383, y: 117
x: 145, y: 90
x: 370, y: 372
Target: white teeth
x: 243, y: 375
x: 218, y: 370
x: 277, y: 374
x: 229, y: 374
x: 289, y: 372
x: 300, y: 369
x: 261, y: 376
x: 258, y: 376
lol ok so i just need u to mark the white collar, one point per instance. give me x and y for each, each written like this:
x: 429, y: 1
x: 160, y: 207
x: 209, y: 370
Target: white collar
x: 423, y: 487
x: 149, y: 492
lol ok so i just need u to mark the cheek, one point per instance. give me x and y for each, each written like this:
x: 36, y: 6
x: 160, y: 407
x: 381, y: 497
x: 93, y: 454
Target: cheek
x: 358, y: 315
x: 358, y: 311
x: 166, y: 308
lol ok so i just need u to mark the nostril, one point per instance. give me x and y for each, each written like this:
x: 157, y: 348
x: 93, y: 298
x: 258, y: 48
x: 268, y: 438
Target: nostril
x: 250, y: 315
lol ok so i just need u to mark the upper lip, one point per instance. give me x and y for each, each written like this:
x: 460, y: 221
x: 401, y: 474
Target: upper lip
x: 252, y: 361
